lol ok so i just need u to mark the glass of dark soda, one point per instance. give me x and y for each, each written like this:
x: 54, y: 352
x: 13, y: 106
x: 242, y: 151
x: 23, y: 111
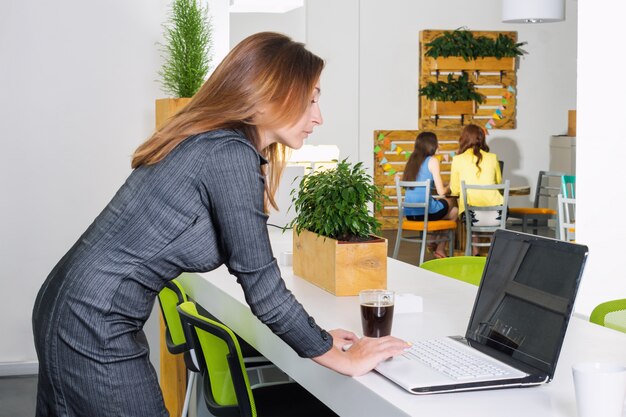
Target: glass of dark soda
x: 376, y: 312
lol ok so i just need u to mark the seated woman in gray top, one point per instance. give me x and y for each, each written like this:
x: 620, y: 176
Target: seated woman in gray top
x: 195, y: 200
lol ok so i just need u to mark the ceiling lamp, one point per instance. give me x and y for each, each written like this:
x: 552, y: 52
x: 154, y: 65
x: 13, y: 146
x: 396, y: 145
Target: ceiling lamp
x: 533, y: 11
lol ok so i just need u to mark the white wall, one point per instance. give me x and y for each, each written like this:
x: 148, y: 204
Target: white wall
x: 291, y: 23
x: 371, y: 79
x: 77, y: 88
x: 77, y: 82
x: 600, y: 145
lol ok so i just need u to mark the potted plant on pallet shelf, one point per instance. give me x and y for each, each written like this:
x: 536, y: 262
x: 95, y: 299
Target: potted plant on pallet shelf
x: 186, y: 54
x: 334, y: 241
x: 460, y: 49
x: 456, y: 96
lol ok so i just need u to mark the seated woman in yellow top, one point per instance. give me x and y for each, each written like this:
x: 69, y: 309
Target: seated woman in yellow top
x: 475, y: 165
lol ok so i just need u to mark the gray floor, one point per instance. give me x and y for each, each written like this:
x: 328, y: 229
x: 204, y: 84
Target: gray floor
x: 18, y: 396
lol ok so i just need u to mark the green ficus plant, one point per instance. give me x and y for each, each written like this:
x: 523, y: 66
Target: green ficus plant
x: 334, y: 203
x: 462, y: 43
x: 455, y: 89
x: 187, y: 48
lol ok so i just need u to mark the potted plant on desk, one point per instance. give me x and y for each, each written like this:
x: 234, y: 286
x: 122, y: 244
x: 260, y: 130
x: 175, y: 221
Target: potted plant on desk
x: 334, y: 245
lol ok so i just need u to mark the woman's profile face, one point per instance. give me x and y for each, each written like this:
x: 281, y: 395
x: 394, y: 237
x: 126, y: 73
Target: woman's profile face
x: 294, y: 135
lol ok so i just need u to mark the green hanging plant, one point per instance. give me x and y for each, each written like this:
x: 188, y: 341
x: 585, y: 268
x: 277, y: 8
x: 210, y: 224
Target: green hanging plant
x: 462, y: 43
x: 334, y: 203
x: 459, y: 89
x: 187, y: 48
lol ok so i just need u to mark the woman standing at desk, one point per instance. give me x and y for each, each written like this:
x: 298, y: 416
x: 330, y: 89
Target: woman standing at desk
x: 195, y: 200
x: 475, y: 165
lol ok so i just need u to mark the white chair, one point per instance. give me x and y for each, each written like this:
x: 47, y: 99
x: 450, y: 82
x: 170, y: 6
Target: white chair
x: 566, y: 215
x: 422, y: 227
x: 479, y: 227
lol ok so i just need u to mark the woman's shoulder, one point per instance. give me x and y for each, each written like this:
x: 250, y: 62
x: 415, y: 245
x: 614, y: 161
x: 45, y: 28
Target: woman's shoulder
x: 216, y: 145
x: 489, y: 155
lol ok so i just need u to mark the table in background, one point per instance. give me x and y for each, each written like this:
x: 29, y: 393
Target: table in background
x: 447, y: 307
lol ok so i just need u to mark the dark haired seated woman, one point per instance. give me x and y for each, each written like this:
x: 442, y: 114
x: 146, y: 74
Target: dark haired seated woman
x: 422, y: 166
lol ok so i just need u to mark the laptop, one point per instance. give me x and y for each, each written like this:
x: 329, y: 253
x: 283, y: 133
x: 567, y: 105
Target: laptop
x: 517, y: 325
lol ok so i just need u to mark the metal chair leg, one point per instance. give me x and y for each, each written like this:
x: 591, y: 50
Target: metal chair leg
x: 423, y: 247
x: 396, y: 248
x: 190, y: 380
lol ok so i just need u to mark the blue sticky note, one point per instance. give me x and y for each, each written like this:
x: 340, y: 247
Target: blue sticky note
x: 393, y: 146
x: 511, y: 89
x: 383, y: 161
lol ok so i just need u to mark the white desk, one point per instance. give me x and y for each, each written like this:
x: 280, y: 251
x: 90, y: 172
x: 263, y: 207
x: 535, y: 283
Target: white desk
x: 447, y: 306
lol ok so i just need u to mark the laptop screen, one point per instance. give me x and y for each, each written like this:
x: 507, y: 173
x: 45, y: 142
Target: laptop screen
x: 526, y: 297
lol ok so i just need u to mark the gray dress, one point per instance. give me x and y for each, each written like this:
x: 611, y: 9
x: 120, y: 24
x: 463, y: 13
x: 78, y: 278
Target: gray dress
x: 199, y: 208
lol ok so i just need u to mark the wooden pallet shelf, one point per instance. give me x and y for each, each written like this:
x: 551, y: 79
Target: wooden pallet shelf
x: 494, y: 78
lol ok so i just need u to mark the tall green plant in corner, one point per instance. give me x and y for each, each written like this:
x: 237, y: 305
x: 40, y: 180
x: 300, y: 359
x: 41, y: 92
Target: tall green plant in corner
x: 187, y: 48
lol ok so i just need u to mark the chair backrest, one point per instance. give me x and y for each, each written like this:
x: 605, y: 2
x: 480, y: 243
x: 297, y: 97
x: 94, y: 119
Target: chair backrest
x: 502, y: 188
x: 568, y: 186
x: 566, y: 218
x: 402, y: 204
x: 170, y: 297
x: 610, y: 314
x: 221, y: 361
x: 548, y: 187
x: 464, y: 268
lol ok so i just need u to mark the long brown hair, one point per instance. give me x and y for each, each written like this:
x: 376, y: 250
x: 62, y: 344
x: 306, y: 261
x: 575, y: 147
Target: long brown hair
x: 265, y: 72
x: 425, y: 145
x: 473, y: 137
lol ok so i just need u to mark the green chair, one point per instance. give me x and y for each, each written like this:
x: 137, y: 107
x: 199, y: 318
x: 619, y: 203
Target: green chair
x: 226, y: 386
x: 464, y: 268
x: 611, y: 314
x: 568, y: 186
x: 170, y: 297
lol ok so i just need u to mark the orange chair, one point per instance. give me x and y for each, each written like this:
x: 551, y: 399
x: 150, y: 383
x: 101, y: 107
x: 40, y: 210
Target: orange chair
x: 546, y: 189
x: 422, y: 227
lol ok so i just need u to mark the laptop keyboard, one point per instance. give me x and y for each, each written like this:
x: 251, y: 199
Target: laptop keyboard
x: 444, y: 356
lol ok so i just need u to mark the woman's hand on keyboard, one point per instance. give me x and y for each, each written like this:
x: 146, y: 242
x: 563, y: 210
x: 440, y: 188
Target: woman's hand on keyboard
x: 362, y: 356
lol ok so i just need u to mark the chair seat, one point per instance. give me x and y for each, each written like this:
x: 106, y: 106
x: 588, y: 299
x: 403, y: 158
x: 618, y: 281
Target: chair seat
x: 611, y: 314
x: 432, y: 225
x: 531, y: 210
x: 464, y: 268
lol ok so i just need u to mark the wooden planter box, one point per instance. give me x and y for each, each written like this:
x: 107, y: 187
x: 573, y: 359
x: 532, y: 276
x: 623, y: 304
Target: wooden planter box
x: 340, y: 268
x: 480, y: 64
x: 451, y: 108
x: 167, y: 107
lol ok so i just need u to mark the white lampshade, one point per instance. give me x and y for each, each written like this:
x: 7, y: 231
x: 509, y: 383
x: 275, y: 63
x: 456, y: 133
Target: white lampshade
x: 533, y: 11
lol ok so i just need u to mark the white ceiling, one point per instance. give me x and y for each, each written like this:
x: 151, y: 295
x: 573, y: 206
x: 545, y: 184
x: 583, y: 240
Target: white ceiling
x: 264, y: 6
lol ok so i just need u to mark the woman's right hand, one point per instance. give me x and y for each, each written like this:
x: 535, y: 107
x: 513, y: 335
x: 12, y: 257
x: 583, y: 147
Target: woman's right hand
x: 363, y: 355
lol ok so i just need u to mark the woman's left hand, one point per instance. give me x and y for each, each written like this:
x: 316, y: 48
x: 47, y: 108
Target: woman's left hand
x: 343, y: 338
